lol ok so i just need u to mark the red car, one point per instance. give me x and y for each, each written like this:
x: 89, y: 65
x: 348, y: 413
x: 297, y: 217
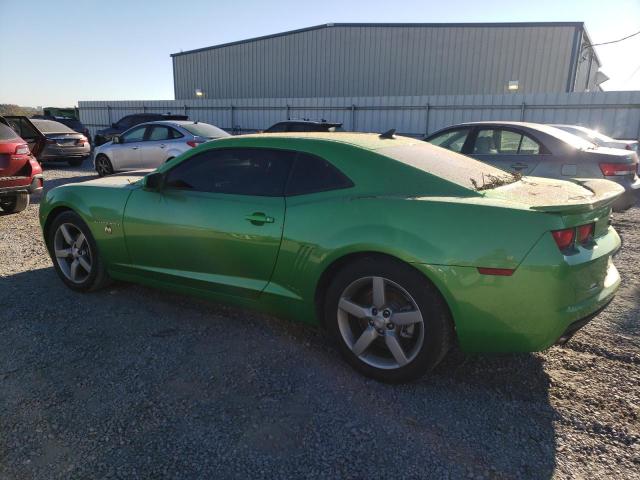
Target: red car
x: 20, y: 172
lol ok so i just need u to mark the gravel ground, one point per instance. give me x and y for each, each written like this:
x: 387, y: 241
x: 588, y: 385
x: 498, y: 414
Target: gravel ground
x: 133, y: 383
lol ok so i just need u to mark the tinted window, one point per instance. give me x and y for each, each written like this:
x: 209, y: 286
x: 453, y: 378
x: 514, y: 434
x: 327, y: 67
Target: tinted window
x: 305, y: 127
x: 278, y: 127
x: 314, y: 174
x: 504, y: 142
x: 239, y: 171
x: 160, y: 132
x: 128, y: 121
x: 49, y: 126
x: 175, y: 133
x: 135, y: 135
x: 452, y: 140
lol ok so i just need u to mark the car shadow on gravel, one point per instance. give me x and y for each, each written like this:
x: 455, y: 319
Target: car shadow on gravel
x: 152, y: 384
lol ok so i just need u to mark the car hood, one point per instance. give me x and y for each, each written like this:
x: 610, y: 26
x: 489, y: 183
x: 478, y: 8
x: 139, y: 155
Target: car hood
x: 118, y: 180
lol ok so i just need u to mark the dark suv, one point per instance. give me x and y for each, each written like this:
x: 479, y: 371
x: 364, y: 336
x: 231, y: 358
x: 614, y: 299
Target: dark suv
x: 304, y: 126
x: 125, y: 123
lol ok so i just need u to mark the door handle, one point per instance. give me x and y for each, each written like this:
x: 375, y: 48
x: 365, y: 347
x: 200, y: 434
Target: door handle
x: 162, y: 145
x: 259, y: 218
x: 134, y: 148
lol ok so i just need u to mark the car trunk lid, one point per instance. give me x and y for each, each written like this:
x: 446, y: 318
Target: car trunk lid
x: 559, y: 196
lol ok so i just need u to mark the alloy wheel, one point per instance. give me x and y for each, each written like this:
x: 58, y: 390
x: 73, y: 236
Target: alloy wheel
x: 380, y: 322
x: 72, y: 252
x: 102, y: 166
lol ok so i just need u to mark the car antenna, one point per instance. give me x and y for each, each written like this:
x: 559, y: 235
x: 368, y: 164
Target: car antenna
x: 388, y: 134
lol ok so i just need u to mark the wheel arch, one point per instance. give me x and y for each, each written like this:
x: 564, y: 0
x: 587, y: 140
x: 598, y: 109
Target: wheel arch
x: 51, y: 216
x: 340, y: 262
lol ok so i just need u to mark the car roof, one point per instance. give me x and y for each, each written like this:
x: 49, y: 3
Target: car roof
x: 550, y: 130
x: 368, y: 141
x: 312, y: 122
x: 175, y: 123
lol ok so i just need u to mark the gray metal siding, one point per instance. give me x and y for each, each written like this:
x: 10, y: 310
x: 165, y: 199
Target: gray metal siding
x: 369, y: 60
x: 614, y: 113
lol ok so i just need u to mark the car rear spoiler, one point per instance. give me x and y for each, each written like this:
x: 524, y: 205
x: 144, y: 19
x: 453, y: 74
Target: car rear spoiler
x: 604, y: 192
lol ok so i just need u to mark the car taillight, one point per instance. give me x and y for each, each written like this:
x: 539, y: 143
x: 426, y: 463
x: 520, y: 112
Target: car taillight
x: 585, y: 233
x: 617, y: 169
x: 193, y: 143
x: 582, y: 234
x: 22, y: 149
x: 564, y: 238
x: 81, y: 141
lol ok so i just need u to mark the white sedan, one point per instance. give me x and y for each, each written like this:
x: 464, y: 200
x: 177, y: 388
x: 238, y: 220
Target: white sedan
x: 149, y: 145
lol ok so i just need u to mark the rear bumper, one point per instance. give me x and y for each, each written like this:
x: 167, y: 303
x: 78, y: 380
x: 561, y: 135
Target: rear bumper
x: 29, y: 184
x: 573, y: 328
x: 53, y: 153
x: 536, y: 306
x: 630, y: 197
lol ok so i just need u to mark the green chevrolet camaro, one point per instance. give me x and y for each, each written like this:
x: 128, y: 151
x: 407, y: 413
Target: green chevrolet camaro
x: 396, y: 247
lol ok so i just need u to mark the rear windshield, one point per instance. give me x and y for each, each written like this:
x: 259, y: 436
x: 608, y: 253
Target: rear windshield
x: 450, y: 166
x: 205, y: 130
x: 49, y: 126
x: 7, y: 133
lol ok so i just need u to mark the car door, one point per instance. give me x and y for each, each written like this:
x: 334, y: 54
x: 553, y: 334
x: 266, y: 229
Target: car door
x: 125, y: 155
x: 506, y: 148
x: 28, y: 132
x: 215, y: 225
x: 160, y: 141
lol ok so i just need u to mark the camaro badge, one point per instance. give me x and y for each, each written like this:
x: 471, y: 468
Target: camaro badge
x: 107, y: 229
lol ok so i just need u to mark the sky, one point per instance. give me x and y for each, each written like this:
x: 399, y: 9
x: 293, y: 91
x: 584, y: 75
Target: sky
x: 54, y: 53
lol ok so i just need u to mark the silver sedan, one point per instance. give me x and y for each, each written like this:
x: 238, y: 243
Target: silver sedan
x: 542, y: 151
x: 149, y: 145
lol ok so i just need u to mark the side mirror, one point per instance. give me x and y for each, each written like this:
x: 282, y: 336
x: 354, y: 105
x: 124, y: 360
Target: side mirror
x: 154, y: 181
x: 115, y: 139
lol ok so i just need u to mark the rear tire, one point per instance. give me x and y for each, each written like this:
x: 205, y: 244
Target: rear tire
x: 395, y: 335
x: 14, y: 203
x: 103, y: 165
x: 75, y: 254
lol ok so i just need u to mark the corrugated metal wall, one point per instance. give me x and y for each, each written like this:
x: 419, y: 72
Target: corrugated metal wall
x: 614, y: 113
x: 350, y: 60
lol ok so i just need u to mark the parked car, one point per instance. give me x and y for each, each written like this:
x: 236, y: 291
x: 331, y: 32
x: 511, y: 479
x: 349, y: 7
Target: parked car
x: 20, y: 172
x: 598, y: 138
x: 542, y: 151
x: 125, y: 123
x: 304, y: 126
x: 151, y: 144
x: 63, y: 144
x: 73, y: 123
x: 394, y: 246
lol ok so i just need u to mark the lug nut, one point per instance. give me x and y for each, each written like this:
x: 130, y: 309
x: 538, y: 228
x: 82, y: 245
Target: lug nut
x: 371, y: 322
x: 374, y: 311
x: 390, y: 326
x: 386, y: 313
x: 380, y: 331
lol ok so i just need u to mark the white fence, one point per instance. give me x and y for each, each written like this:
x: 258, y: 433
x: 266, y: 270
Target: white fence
x: 614, y: 113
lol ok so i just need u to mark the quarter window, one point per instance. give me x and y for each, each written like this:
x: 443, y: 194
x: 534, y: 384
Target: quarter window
x: 238, y: 171
x: 313, y: 174
x: 452, y: 140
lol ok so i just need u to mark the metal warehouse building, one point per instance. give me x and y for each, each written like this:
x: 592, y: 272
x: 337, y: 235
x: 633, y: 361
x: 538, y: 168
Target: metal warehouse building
x: 347, y: 60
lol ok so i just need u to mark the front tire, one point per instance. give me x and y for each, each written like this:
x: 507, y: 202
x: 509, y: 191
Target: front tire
x: 14, y: 203
x: 75, y: 254
x: 103, y: 165
x: 389, y: 322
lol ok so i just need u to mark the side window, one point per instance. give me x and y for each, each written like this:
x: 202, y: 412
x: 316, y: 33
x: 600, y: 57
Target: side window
x: 496, y: 141
x: 160, y: 132
x: 278, y: 127
x: 135, y: 135
x: 313, y: 174
x: 239, y: 171
x: 452, y: 140
x: 528, y: 146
